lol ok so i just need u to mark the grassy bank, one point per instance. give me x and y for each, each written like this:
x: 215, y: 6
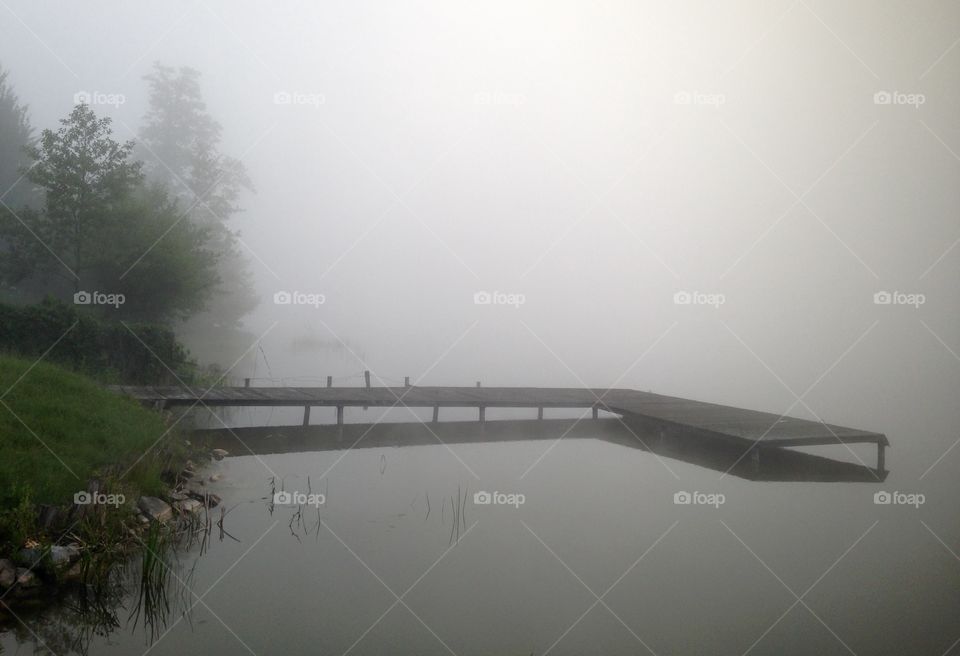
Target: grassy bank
x: 58, y: 432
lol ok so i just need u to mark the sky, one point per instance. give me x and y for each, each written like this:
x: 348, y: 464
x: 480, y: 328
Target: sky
x: 699, y: 199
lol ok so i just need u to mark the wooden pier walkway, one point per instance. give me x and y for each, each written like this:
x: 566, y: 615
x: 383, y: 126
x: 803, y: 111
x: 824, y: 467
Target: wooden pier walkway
x: 652, y: 413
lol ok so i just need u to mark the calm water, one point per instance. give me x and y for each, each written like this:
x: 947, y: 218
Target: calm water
x: 597, y: 559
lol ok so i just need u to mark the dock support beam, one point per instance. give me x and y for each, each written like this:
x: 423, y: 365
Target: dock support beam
x: 406, y: 381
x: 436, y: 413
x: 366, y: 378
x: 540, y: 413
x: 246, y: 382
x: 339, y: 415
x: 483, y: 414
x: 596, y: 412
x: 755, y: 458
x: 306, y: 415
x: 881, y: 457
x: 329, y: 381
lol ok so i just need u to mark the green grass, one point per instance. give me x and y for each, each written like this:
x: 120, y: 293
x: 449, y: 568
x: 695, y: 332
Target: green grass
x: 95, y: 433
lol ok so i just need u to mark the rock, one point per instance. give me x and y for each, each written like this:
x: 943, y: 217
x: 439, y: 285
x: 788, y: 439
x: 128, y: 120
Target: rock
x: 29, y: 556
x: 8, y: 573
x: 26, y: 578
x: 62, y: 556
x: 142, y: 519
x: 75, y: 573
x: 212, y: 500
x: 189, y: 506
x: 155, y: 509
x: 178, y: 496
x: 215, y: 477
x: 219, y: 454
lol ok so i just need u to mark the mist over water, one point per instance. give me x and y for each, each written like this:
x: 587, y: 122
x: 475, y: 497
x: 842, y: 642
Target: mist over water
x: 749, y: 204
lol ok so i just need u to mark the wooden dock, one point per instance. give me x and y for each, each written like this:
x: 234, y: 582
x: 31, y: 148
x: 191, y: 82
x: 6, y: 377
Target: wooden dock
x: 654, y: 414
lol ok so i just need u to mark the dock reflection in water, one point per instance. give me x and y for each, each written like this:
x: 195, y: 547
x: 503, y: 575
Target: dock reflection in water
x: 741, y: 459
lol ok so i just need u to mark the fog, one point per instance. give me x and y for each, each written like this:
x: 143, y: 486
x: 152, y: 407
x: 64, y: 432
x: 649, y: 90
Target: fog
x: 752, y: 203
x: 433, y: 150
x: 592, y: 160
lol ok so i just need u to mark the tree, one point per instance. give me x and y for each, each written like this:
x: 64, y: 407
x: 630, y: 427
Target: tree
x: 162, y: 265
x: 16, y: 134
x: 104, y: 229
x: 181, y: 144
x: 85, y: 174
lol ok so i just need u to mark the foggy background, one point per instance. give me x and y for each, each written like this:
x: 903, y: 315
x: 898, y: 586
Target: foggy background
x: 595, y: 158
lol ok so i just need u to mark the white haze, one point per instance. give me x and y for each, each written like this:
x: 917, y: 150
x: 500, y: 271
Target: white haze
x: 538, y: 148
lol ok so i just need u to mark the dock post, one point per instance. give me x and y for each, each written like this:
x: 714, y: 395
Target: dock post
x: 246, y: 382
x: 406, y: 381
x: 540, y: 413
x: 306, y: 415
x: 339, y: 415
x: 478, y: 383
x: 596, y: 412
x: 483, y: 414
x: 436, y: 413
x: 329, y: 381
x: 881, y: 458
x: 366, y: 377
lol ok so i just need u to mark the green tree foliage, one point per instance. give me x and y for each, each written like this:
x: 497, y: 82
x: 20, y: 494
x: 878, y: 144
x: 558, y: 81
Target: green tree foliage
x: 15, y: 135
x: 86, y: 176
x: 102, y: 228
x: 181, y: 144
